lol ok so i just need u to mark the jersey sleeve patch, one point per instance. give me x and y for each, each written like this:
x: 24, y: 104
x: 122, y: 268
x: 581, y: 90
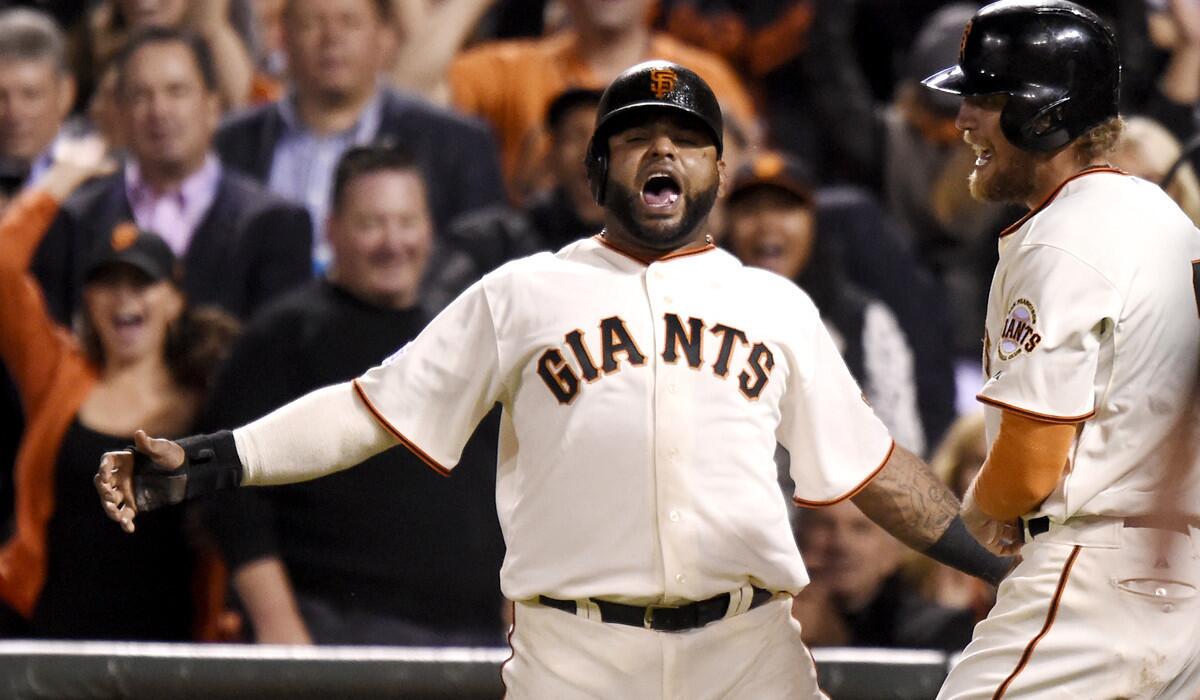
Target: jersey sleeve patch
x: 1019, y: 333
x: 1045, y: 344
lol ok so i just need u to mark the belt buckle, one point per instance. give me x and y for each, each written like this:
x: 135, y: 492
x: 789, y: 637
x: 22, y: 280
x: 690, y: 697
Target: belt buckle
x: 648, y: 615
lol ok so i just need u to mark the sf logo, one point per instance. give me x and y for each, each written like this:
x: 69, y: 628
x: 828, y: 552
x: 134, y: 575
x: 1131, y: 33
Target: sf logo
x: 662, y: 82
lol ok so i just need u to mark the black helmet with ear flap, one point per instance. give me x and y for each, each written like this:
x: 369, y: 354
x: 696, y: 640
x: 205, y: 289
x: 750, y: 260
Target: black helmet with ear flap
x: 1056, y: 61
x: 645, y: 89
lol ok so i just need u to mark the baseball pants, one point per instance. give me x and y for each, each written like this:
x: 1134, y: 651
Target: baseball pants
x: 1095, y: 610
x: 757, y: 655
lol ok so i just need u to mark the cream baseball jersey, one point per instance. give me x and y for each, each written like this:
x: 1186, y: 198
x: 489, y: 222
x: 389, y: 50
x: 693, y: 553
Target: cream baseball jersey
x: 641, y: 408
x: 1093, y: 319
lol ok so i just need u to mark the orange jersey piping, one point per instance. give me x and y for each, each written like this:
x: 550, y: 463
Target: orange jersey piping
x: 1043, y: 417
x: 675, y: 254
x: 1050, y: 615
x: 852, y: 492
x: 412, y: 446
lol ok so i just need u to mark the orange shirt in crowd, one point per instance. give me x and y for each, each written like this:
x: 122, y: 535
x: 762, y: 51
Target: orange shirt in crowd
x: 511, y: 83
x: 54, y: 377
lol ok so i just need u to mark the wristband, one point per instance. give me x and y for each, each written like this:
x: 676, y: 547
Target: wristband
x: 958, y: 549
x: 210, y: 464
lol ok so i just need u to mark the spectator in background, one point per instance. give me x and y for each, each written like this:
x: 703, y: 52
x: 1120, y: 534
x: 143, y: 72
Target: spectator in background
x: 479, y: 242
x: 511, y: 83
x: 431, y: 34
x: 84, y: 396
x: 925, y: 163
x: 336, y: 50
x: 1173, y: 28
x: 427, y: 573
x: 772, y: 225
x: 37, y: 90
x: 567, y: 210
x: 858, y: 595
x: 112, y: 22
x: 36, y: 93
x: 272, y: 54
x: 1149, y: 151
x: 239, y: 245
x: 912, y: 143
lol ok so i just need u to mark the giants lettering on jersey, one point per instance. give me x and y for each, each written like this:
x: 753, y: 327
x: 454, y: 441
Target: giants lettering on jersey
x: 1019, y: 330
x: 681, y: 342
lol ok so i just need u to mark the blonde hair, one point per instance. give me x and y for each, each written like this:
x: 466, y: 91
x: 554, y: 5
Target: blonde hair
x: 1148, y: 150
x: 949, y: 460
x: 1097, y: 143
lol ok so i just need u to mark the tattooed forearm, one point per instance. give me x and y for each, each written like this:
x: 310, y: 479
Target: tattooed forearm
x: 908, y: 500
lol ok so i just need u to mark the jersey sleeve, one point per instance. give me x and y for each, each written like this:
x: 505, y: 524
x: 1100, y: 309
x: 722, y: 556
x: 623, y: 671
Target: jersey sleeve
x: 1043, y: 359
x: 836, y: 442
x: 433, y: 392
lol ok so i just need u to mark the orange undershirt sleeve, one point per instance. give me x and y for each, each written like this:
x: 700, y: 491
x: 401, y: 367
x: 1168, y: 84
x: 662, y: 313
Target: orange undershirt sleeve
x: 1024, y: 465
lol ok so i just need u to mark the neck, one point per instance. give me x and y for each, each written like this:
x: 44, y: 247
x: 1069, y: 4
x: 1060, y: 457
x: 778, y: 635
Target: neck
x: 1052, y: 173
x: 618, y: 237
x: 329, y: 113
x: 394, y: 301
x: 609, y: 52
x: 164, y: 177
x: 149, y: 373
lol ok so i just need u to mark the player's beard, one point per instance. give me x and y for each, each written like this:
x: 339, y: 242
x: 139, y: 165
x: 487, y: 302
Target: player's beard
x: 622, y: 202
x: 1013, y: 182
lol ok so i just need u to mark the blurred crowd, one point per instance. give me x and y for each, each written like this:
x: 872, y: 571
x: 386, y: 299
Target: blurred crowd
x: 211, y: 207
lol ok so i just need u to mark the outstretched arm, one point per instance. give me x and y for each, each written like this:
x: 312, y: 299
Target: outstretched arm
x: 908, y: 500
x: 320, y: 433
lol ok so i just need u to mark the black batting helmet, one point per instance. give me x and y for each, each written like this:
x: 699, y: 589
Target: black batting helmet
x: 1056, y: 61
x: 645, y: 88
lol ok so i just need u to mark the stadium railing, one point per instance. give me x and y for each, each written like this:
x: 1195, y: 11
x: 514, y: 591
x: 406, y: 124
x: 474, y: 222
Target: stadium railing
x: 62, y: 670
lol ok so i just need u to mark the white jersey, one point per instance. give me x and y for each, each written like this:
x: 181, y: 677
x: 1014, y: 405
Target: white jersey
x: 1093, y: 319
x: 642, y: 405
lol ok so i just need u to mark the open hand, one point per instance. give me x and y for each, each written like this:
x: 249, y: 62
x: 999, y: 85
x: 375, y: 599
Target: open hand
x: 114, y: 480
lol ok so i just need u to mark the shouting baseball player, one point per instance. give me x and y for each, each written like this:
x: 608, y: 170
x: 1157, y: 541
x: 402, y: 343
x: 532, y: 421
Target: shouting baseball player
x: 646, y: 377
x: 1090, y: 357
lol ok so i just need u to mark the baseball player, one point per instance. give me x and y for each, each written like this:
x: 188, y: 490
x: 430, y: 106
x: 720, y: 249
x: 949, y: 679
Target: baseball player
x: 645, y: 377
x: 1090, y: 357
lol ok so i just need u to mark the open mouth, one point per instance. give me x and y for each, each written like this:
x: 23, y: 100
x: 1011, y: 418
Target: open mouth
x: 983, y: 156
x: 660, y: 191
x: 769, y: 250
x: 127, y: 324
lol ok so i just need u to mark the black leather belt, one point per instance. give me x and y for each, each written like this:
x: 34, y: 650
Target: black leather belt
x: 1039, y: 526
x: 664, y: 618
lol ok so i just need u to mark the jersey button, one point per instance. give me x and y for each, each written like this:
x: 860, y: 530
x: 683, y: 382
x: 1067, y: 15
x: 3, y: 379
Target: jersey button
x: 674, y: 516
x: 680, y: 578
x: 671, y: 388
x: 668, y: 300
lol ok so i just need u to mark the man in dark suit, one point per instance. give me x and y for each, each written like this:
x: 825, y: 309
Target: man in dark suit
x: 239, y: 244
x: 336, y: 50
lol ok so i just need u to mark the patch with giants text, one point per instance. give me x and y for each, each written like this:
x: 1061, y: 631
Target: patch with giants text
x: 1020, y: 330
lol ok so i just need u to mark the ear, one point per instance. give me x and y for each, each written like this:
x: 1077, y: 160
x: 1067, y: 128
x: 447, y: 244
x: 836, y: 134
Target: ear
x: 212, y: 108
x: 389, y: 44
x: 722, y: 180
x: 66, y: 95
x: 176, y: 302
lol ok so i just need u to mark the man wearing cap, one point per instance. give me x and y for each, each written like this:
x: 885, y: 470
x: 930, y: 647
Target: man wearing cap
x: 140, y: 354
x: 481, y: 241
x: 646, y: 378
